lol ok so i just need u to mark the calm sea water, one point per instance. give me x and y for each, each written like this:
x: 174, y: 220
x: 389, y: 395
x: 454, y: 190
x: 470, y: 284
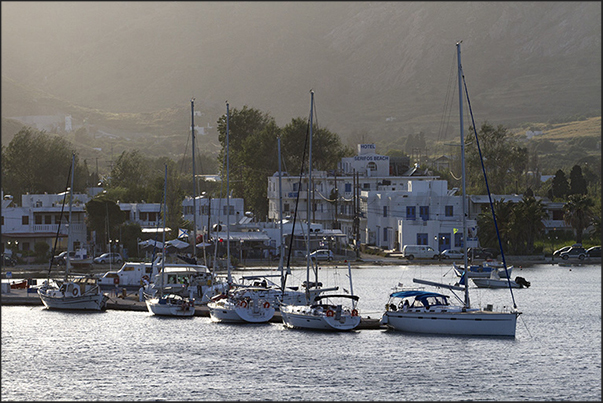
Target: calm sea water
x: 117, y: 355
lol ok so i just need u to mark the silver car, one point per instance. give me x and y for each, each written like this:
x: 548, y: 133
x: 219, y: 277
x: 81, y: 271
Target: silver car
x: 322, y: 254
x: 452, y: 254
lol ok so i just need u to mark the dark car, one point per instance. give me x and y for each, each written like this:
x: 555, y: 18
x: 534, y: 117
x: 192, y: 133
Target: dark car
x: 479, y: 253
x: 60, y: 259
x: 595, y: 251
x: 8, y: 261
x: 574, y: 252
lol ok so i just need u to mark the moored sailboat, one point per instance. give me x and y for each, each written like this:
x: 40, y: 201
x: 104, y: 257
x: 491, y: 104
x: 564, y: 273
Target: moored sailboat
x: 320, y: 311
x: 81, y: 293
x: 419, y: 311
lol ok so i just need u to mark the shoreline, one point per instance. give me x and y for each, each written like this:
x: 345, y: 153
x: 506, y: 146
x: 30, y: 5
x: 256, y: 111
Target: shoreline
x: 41, y: 270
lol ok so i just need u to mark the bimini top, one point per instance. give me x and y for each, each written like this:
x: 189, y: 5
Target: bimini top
x: 416, y: 293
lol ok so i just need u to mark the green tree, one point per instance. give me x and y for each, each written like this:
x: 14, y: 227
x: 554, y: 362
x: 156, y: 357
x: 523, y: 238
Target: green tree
x: 500, y: 157
x: 578, y: 213
x: 577, y: 181
x: 104, y: 216
x: 504, y: 221
x: 527, y: 223
x: 559, y: 186
x: 243, y: 124
x: 37, y: 162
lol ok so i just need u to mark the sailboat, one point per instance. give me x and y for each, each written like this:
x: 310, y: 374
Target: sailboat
x: 321, y: 311
x: 238, y: 304
x: 420, y: 311
x: 81, y: 293
x: 168, y: 304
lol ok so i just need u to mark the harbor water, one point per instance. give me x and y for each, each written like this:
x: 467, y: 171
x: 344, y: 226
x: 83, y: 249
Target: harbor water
x: 134, y: 356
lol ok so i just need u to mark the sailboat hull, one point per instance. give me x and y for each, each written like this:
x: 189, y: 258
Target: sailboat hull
x: 469, y: 323
x: 305, y: 317
x: 97, y: 302
x: 162, y: 307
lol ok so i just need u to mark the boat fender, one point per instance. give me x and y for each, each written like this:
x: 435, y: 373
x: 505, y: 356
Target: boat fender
x: 354, y: 312
x: 116, y: 280
x: 266, y: 304
x: 330, y: 313
x: 75, y: 292
x: 243, y: 304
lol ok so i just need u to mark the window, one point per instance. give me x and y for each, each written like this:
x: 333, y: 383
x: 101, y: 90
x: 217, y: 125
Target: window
x: 410, y: 212
x: 384, y: 211
x: 47, y: 219
x: 228, y: 211
x: 384, y: 234
x: 188, y: 210
x: 38, y: 219
x: 458, y: 240
x: 2, y: 220
x: 421, y: 239
x: 424, y: 212
x: 286, y: 207
x: 366, y: 186
x: 25, y: 220
x: 449, y: 211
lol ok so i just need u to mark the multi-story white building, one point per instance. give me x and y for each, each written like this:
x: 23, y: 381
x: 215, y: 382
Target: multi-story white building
x: 43, y: 218
x: 213, y: 211
x: 337, y: 196
x: 417, y: 212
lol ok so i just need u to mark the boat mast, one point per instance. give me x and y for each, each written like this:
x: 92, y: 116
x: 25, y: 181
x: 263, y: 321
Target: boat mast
x: 163, y: 232
x: 309, y: 202
x: 280, y: 217
x: 228, y: 194
x: 194, y: 181
x: 460, y: 74
x: 68, y: 258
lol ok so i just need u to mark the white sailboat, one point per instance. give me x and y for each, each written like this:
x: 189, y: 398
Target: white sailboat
x: 238, y: 304
x: 168, y: 304
x: 81, y: 293
x: 419, y: 311
x: 320, y: 311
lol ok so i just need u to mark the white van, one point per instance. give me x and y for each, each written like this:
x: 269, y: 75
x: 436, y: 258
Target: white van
x: 411, y: 252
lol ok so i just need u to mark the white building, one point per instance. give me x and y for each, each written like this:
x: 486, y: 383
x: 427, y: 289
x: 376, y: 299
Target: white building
x: 40, y: 218
x: 418, y: 213
x: 336, y: 198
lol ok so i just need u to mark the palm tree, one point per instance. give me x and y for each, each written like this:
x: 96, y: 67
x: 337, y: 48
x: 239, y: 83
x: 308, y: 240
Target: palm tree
x: 578, y: 213
x: 528, y: 225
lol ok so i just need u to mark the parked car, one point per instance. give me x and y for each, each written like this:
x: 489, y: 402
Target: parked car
x: 61, y: 258
x: 322, y: 254
x: 452, y: 254
x: 9, y: 261
x: 411, y: 252
x: 574, y: 252
x: 108, y: 258
x: 559, y: 251
x: 595, y: 251
x: 480, y: 253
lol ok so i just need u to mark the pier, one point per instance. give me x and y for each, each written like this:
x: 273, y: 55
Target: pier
x: 130, y: 302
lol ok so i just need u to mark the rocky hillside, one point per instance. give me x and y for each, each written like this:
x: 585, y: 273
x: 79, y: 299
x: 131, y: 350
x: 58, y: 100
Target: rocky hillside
x: 379, y: 69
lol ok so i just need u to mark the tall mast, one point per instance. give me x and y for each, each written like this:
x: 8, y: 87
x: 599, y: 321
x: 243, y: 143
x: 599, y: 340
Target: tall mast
x: 228, y: 194
x: 194, y: 180
x: 309, y: 200
x: 460, y: 73
x: 68, y: 258
x: 163, y: 232
x: 280, y: 216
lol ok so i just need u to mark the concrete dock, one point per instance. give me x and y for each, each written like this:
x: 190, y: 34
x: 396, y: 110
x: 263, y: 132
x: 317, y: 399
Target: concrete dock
x: 30, y: 297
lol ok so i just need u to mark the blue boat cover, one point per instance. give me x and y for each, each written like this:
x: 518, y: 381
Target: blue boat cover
x: 416, y: 293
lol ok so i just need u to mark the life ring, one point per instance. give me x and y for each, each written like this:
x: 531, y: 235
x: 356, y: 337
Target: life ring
x: 330, y: 313
x: 75, y: 292
x: 266, y: 304
x: 354, y: 312
x: 243, y: 304
x: 115, y: 280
